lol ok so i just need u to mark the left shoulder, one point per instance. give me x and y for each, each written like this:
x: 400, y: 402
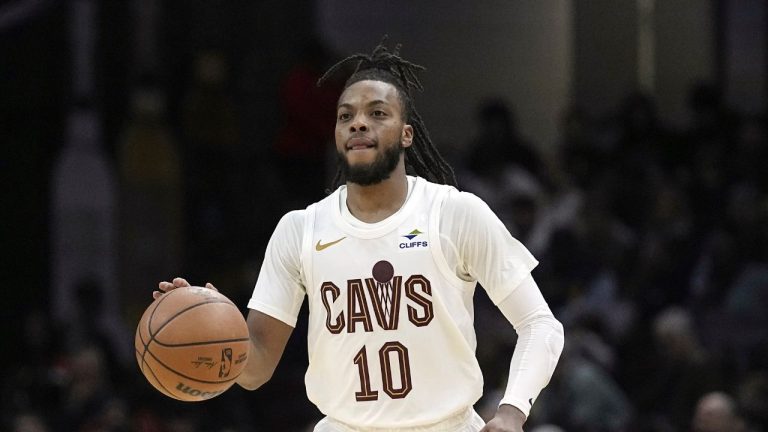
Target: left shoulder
x: 464, y: 203
x: 435, y: 189
x: 464, y: 208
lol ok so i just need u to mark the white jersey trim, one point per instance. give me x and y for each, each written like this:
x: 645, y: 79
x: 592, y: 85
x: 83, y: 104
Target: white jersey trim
x: 435, y: 240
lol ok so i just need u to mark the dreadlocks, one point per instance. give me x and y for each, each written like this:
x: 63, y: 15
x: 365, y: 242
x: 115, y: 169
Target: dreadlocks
x: 422, y: 158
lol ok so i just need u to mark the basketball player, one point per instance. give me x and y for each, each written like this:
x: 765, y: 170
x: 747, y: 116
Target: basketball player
x: 389, y: 262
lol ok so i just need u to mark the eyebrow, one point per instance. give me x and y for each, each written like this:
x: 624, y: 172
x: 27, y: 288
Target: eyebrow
x: 369, y: 104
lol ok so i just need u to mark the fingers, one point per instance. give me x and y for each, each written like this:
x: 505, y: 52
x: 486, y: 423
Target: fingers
x: 180, y: 282
x: 164, y: 287
x: 177, y: 283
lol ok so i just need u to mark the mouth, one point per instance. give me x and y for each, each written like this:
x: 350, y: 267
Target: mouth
x: 360, y: 143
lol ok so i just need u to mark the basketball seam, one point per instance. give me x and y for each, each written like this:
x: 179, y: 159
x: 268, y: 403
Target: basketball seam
x: 199, y: 343
x: 171, y: 318
x: 153, y: 336
x: 189, y: 377
x: 146, y: 350
x: 159, y: 382
x: 149, y: 326
x: 149, y: 331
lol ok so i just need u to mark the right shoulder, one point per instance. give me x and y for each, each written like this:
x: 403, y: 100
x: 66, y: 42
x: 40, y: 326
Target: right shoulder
x: 291, y: 224
x: 293, y: 217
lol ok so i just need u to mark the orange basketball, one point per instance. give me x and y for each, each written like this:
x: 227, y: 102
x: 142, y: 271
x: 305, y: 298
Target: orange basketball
x: 192, y: 343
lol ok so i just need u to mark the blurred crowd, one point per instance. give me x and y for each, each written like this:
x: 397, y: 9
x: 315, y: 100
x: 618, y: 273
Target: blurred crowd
x: 653, y: 247
x: 652, y: 244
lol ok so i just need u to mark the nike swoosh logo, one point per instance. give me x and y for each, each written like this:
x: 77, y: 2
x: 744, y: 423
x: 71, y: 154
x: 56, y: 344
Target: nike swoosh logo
x: 319, y: 246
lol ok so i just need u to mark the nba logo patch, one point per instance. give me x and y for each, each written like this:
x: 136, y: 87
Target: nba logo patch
x: 412, y: 240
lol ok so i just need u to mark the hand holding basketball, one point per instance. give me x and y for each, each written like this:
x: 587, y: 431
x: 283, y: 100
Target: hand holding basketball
x: 192, y: 342
x: 178, y: 282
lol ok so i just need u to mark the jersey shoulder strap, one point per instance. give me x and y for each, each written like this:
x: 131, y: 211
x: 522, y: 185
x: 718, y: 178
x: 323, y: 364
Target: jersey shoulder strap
x: 435, y: 236
x: 306, y: 244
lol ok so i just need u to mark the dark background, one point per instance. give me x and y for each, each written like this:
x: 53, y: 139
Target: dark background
x: 644, y: 195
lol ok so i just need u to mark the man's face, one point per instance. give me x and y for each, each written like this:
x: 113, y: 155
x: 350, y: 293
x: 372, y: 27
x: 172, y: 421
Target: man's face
x: 370, y: 132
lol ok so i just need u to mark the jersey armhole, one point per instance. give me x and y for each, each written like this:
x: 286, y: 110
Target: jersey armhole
x: 306, y: 247
x: 436, y: 244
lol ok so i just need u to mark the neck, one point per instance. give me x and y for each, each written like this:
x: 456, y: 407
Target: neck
x: 376, y: 202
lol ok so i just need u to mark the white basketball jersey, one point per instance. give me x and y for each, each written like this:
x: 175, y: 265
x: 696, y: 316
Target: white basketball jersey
x: 391, y: 336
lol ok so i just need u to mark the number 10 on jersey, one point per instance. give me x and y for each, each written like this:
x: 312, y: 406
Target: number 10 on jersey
x: 390, y: 352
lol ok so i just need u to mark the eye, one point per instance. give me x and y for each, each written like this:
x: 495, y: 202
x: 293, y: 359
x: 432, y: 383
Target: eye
x: 344, y: 116
x: 378, y: 113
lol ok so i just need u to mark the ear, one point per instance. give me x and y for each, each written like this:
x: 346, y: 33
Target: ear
x: 406, y: 137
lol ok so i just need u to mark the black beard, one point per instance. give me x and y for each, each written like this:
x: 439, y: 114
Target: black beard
x: 375, y: 172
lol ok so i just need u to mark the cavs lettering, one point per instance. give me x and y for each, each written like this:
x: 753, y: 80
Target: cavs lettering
x: 384, y: 292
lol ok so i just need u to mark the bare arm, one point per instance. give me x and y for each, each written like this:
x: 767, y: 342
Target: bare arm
x: 269, y: 337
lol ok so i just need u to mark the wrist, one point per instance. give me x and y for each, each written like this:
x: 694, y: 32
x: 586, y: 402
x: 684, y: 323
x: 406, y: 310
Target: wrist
x: 511, y: 413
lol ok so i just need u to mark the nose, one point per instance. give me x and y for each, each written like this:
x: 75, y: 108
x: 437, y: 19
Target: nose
x: 358, y: 125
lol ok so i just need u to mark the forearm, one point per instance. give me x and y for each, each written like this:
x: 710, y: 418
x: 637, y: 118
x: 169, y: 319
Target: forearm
x: 538, y: 349
x: 539, y: 344
x: 257, y: 371
x: 269, y: 337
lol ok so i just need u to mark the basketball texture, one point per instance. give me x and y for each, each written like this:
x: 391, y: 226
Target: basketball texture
x: 192, y: 343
